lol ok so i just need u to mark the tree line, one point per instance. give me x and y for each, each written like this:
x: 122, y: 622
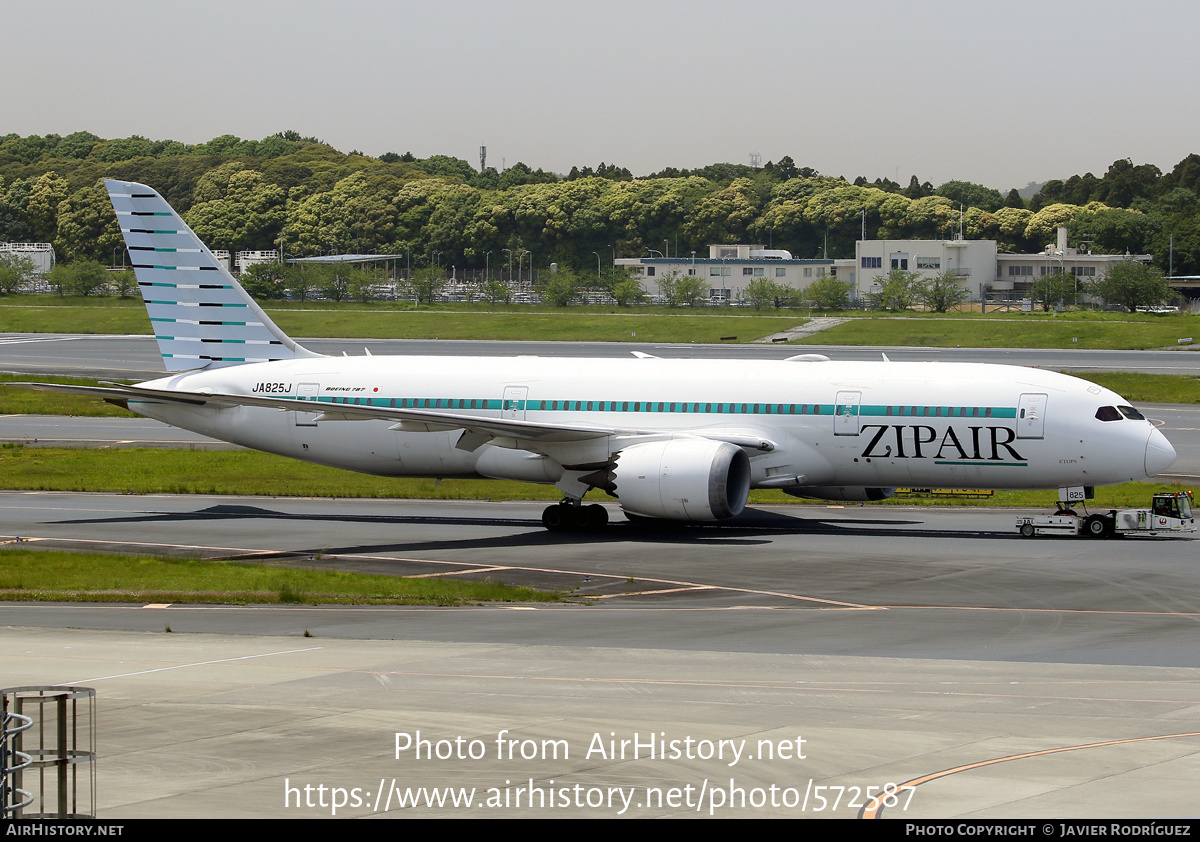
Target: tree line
x: 307, y: 198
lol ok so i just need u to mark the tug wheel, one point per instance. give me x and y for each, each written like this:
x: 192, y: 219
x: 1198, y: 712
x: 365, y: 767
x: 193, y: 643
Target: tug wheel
x: 1096, y: 526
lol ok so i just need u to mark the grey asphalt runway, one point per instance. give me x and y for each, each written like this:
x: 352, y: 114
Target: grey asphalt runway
x: 1029, y: 677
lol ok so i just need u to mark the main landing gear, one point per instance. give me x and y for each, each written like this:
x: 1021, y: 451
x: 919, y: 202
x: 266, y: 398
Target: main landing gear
x: 569, y: 516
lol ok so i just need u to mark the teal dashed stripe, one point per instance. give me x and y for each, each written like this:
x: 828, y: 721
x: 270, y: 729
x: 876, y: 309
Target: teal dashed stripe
x: 934, y: 411
x: 650, y: 407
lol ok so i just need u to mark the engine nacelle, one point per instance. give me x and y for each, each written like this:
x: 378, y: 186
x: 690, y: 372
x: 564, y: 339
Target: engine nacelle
x: 682, y: 479
x: 848, y: 493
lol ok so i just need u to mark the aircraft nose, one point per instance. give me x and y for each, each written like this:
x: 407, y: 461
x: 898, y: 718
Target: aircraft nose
x: 1159, y: 453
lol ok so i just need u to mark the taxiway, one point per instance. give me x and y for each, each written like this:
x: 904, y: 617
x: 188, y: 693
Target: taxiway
x: 896, y: 642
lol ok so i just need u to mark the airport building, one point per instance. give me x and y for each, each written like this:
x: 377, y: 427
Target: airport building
x: 729, y: 268
x: 979, y: 264
x: 243, y: 260
x: 40, y: 254
x: 1015, y: 272
x: 973, y: 262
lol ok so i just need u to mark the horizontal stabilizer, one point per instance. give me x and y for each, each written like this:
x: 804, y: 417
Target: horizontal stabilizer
x: 112, y: 392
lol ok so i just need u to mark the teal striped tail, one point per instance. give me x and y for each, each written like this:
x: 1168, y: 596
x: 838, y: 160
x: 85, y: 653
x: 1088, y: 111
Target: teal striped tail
x: 202, y: 318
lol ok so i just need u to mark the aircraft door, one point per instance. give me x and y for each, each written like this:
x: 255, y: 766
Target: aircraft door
x: 1031, y: 417
x: 846, y: 420
x: 513, y: 405
x: 307, y: 392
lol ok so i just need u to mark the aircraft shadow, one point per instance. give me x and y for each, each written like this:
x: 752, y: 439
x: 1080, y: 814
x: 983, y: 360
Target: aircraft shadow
x: 753, y: 527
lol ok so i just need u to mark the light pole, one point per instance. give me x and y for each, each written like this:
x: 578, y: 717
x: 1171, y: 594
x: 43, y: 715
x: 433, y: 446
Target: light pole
x: 598, y: 279
x: 520, y: 257
x: 509, y: 265
x: 1062, y: 270
x: 487, y: 267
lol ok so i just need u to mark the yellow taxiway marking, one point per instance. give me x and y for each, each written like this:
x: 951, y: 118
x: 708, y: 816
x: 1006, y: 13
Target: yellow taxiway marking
x: 874, y: 808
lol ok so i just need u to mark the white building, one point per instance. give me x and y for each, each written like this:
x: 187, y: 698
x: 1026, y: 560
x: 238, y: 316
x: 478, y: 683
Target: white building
x: 41, y: 254
x: 973, y: 261
x: 729, y: 268
x: 979, y: 265
x: 243, y: 260
x: 1017, y: 271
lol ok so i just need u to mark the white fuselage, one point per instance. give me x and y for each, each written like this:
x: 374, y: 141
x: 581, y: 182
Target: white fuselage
x: 829, y: 424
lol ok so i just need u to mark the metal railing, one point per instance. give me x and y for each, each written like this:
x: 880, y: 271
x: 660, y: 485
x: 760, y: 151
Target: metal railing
x: 49, y: 736
x: 12, y: 761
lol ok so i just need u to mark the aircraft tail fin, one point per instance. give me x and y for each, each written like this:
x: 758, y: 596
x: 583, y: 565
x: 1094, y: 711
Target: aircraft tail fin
x: 200, y: 314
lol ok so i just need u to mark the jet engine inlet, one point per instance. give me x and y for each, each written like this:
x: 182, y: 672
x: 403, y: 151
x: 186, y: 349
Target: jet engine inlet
x: 683, y: 479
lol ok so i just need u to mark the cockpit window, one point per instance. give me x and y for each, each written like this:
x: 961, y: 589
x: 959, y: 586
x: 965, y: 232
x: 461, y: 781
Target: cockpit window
x: 1172, y: 507
x: 1108, y: 413
x: 1131, y: 413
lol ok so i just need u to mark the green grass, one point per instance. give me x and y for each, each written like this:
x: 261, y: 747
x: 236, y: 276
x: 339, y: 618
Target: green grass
x: 399, y: 320
x: 95, y: 577
x: 1147, y: 388
x: 50, y: 314
x: 1118, y: 331
x: 170, y: 471
x: 149, y: 471
x: 59, y: 314
x: 565, y: 326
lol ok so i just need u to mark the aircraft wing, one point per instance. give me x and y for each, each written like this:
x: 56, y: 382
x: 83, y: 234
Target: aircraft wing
x: 479, y: 430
